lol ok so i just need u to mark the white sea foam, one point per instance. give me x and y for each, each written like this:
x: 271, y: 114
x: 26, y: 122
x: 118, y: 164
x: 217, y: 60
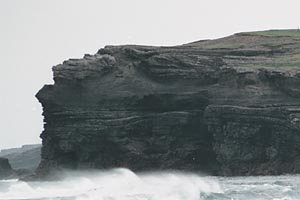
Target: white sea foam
x: 117, y: 184
x: 123, y: 184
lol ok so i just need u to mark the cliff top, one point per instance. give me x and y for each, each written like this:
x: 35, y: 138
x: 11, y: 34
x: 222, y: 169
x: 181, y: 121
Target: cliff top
x: 272, y: 48
x: 276, y: 33
x: 277, y: 49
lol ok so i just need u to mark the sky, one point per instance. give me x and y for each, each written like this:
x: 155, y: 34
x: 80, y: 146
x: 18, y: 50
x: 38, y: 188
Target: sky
x: 38, y: 34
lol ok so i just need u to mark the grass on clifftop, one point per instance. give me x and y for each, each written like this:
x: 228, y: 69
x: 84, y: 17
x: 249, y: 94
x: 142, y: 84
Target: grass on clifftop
x: 277, y: 49
x: 272, y: 33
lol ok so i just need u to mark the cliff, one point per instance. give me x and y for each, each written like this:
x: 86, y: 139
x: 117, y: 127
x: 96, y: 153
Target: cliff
x: 229, y: 106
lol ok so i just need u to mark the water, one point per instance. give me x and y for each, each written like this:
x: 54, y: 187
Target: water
x: 122, y: 184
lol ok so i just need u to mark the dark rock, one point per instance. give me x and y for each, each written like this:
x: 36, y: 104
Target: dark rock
x: 254, y: 141
x: 5, y: 169
x: 25, y: 158
x: 229, y: 107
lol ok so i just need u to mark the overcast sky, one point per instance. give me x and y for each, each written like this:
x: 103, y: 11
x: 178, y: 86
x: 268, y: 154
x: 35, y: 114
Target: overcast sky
x: 38, y: 34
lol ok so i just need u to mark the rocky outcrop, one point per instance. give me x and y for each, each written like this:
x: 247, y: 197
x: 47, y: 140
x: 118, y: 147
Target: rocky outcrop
x: 26, y: 157
x: 5, y: 169
x: 229, y: 107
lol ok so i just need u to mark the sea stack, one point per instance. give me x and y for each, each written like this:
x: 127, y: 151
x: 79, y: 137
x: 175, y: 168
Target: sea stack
x: 229, y: 106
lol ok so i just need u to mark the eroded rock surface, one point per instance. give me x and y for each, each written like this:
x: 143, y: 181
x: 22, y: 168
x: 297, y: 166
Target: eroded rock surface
x: 229, y: 107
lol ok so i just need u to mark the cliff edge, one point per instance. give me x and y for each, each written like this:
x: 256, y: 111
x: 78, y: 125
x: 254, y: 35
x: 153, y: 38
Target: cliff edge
x: 229, y: 106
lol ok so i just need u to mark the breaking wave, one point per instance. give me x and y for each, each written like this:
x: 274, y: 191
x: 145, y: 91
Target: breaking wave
x: 123, y: 184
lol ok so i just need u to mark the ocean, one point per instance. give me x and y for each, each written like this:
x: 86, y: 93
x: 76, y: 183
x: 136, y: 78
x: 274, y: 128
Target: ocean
x: 123, y: 184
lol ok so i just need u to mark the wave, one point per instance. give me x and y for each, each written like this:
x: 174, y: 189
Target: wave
x: 116, y: 184
x: 123, y: 184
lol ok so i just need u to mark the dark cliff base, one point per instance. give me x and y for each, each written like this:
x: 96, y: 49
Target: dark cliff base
x: 227, y: 107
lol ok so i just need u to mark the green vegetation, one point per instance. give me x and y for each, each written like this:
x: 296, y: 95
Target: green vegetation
x: 272, y: 33
x: 278, y: 49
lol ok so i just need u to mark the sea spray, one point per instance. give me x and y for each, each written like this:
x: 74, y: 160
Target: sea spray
x: 123, y: 184
x: 116, y: 184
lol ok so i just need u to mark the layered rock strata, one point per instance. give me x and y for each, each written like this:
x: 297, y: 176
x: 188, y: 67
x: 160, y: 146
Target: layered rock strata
x: 228, y: 107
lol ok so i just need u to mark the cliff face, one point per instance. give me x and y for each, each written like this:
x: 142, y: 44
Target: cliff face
x: 229, y: 107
